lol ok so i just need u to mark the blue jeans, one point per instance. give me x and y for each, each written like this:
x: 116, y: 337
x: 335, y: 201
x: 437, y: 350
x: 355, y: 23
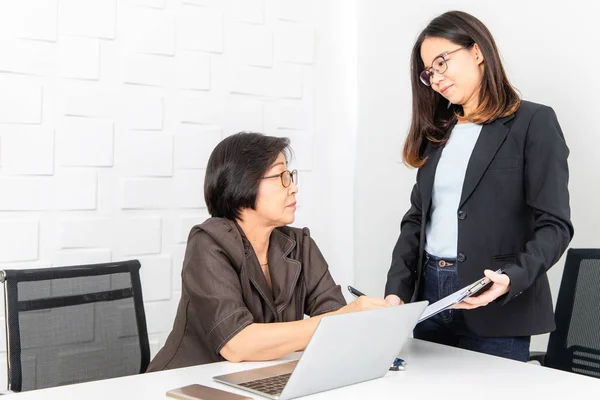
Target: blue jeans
x: 448, y: 327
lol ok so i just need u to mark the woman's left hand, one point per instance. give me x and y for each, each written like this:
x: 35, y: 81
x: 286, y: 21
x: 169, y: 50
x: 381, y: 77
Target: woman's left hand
x: 500, y: 286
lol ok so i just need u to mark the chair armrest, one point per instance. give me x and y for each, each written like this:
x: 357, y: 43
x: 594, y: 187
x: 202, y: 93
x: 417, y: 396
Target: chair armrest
x: 539, y: 356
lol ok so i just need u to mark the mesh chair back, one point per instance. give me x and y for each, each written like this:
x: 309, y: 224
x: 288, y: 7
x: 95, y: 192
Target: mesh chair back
x: 575, y: 344
x: 74, y: 324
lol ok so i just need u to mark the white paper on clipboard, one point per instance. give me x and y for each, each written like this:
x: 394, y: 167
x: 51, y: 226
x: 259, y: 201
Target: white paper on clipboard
x: 454, y: 298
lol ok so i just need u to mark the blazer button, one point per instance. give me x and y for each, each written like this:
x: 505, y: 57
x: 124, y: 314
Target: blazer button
x: 460, y: 257
x: 462, y: 214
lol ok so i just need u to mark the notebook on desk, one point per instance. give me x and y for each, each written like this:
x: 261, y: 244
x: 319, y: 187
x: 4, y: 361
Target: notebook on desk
x: 345, y: 349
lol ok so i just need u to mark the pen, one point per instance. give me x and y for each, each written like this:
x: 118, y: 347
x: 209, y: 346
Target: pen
x: 354, y: 292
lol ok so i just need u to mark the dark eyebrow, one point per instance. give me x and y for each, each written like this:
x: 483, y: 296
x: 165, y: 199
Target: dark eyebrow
x: 448, y: 52
x: 439, y: 55
x: 276, y: 164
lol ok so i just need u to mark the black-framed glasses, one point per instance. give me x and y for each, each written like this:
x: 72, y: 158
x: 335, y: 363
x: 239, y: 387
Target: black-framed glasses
x: 287, y: 177
x: 439, y: 65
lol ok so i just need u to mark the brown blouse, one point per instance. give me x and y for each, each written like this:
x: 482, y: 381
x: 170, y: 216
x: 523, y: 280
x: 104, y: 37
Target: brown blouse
x: 224, y: 289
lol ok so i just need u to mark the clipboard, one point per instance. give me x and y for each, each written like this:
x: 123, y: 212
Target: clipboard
x: 456, y: 297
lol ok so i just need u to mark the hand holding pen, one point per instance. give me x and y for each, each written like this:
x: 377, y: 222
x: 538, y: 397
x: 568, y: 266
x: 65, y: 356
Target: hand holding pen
x: 363, y: 302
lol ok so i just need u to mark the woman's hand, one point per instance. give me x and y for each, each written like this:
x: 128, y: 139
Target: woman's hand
x: 394, y: 300
x: 500, y: 286
x: 364, y: 303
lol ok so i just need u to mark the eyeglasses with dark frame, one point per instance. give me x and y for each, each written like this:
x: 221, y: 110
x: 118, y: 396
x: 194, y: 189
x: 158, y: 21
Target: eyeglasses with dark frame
x: 439, y: 65
x: 287, y: 177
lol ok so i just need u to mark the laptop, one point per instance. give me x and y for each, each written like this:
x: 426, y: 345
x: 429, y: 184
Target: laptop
x: 345, y: 349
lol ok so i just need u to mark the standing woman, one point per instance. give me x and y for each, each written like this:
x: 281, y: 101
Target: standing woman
x: 491, y: 193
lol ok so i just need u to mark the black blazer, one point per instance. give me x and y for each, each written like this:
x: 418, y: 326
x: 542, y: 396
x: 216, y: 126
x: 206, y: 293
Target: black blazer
x: 514, y: 213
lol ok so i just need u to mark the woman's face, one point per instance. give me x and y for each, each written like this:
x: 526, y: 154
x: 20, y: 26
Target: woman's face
x: 276, y: 204
x: 461, y: 80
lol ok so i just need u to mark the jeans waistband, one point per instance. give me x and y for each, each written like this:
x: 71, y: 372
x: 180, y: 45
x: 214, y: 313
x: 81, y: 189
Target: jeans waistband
x: 436, y: 258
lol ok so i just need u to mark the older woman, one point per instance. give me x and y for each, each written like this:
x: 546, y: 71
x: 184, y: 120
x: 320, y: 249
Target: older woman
x: 248, y: 279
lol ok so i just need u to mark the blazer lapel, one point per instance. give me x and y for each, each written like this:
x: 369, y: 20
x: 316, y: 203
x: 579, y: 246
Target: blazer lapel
x: 284, y: 270
x: 491, y: 138
x: 256, y: 276
x: 428, y: 176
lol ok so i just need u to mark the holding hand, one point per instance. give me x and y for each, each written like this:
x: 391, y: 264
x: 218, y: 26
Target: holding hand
x: 500, y: 286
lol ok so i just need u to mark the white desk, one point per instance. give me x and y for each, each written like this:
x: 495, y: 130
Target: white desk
x: 433, y: 371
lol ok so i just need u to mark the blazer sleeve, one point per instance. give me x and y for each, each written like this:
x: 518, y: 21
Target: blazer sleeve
x: 213, y: 286
x: 403, y: 270
x: 546, y: 178
x: 323, y: 294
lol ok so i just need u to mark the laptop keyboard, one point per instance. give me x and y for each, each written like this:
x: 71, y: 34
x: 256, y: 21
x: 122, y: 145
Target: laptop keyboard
x: 272, y: 385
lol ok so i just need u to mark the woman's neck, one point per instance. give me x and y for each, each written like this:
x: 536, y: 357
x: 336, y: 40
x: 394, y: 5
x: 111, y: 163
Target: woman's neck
x: 470, y: 105
x: 258, y: 235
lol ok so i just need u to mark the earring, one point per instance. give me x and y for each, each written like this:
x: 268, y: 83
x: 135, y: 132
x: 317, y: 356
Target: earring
x: 449, y: 104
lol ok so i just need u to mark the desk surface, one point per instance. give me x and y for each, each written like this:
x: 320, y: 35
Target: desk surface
x: 432, y: 369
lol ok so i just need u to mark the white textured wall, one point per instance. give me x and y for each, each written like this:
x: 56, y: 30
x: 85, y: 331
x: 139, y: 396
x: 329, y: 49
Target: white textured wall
x: 548, y: 51
x: 109, y: 111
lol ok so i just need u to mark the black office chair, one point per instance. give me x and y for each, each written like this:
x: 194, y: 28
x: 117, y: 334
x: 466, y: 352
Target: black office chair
x: 74, y: 324
x: 575, y: 344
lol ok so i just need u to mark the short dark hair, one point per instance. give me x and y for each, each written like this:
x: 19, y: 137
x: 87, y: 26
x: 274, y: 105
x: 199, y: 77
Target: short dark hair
x: 431, y: 116
x: 235, y: 169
